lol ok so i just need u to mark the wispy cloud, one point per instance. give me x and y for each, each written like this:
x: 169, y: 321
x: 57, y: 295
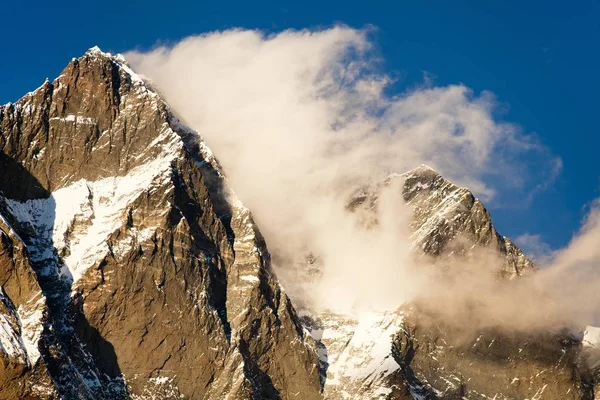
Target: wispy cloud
x: 300, y: 118
x: 536, y: 249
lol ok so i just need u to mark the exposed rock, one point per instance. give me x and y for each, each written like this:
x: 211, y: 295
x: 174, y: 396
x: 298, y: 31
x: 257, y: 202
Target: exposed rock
x: 442, y: 362
x: 447, y: 219
x: 158, y: 282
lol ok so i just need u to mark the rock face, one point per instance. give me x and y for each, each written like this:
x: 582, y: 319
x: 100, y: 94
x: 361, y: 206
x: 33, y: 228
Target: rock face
x: 438, y: 362
x: 128, y: 268
x: 448, y: 220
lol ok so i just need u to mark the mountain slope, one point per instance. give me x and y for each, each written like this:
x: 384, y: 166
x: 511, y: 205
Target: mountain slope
x: 157, y: 281
x: 412, y: 353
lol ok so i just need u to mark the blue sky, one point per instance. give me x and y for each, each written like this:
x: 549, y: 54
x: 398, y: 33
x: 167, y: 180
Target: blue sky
x: 541, y: 59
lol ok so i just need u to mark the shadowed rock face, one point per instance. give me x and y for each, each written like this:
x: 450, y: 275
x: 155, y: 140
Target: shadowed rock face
x: 150, y: 277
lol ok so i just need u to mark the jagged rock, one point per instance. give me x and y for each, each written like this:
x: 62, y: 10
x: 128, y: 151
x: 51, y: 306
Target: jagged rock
x: 447, y: 219
x: 441, y: 361
x: 157, y: 280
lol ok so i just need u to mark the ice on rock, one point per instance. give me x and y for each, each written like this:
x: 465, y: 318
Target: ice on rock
x: 591, y: 336
x: 31, y: 318
x: 21, y: 330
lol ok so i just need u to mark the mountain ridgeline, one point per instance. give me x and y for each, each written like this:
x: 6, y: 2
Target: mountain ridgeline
x: 130, y: 270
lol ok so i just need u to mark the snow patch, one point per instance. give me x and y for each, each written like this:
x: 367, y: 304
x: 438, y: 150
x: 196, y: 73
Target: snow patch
x: 80, y: 217
x: 77, y: 119
x: 250, y: 278
x: 30, y: 318
x: 591, y: 336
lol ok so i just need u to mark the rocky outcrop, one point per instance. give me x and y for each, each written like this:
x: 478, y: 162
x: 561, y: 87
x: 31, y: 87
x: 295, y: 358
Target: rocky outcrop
x: 157, y: 280
x: 440, y: 361
x: 448, y: 220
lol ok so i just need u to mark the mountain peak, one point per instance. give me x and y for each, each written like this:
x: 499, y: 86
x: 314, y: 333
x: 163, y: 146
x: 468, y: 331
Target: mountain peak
x: 444, y: 214
x: 95, y: 50
x: 117, y: 59
x: 98, y: 52
x: 139, y: 246
x: 422, y: 169
x: 97, y: 119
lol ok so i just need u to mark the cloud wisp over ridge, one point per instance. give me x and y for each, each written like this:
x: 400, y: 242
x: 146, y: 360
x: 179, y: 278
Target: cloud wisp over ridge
x: 300, y: 119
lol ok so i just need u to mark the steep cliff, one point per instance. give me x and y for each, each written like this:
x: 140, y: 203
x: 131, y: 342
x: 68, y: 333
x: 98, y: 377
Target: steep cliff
x: 156, y: 279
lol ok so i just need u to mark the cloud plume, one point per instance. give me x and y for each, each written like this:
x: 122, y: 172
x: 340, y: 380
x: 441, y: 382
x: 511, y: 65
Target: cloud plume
x: 300, y: 119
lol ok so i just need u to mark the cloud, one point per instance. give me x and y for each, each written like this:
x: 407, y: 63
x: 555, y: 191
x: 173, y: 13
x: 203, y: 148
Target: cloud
x: 536, y: 249
x: 300, y: 119
x: 583, y: 249
x: 562, y: 294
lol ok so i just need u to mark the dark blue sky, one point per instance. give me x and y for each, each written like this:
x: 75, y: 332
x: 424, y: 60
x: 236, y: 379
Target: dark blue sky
x: 542, y: 60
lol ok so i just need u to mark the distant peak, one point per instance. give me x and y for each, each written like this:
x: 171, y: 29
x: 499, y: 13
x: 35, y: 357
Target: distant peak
x: 421, y: 169
x: 96, y: 51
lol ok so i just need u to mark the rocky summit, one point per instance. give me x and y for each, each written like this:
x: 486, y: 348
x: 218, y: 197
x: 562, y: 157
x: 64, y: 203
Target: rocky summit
x: 129, y: 269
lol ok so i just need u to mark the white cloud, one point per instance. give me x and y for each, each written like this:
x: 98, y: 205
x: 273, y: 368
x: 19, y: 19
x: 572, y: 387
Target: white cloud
x: 299, y: 118
x: 536, y: 249
x: 584, y: 248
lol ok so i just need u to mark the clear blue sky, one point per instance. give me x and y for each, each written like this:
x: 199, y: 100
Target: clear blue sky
x: 542, y: 60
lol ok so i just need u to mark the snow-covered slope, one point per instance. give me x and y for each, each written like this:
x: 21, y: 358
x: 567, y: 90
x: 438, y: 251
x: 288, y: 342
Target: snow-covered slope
x: 355, y: 352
